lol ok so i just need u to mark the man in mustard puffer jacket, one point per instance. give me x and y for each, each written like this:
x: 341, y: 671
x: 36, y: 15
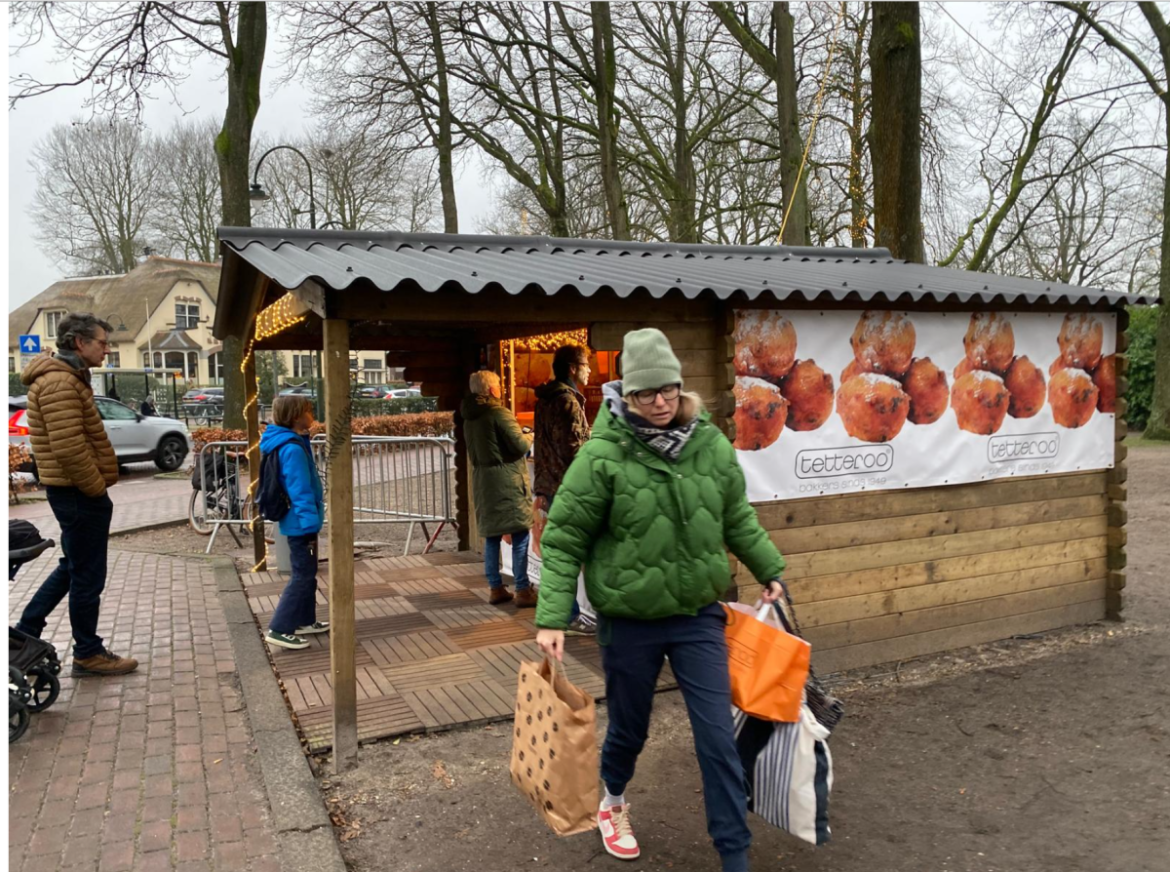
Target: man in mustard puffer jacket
x: 650, y: 506
x: 76, y: 464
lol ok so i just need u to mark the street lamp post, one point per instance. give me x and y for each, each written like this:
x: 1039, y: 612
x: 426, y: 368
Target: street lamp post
x: 258, y: 193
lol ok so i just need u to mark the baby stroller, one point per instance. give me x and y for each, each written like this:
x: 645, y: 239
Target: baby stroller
x: 33, y: 664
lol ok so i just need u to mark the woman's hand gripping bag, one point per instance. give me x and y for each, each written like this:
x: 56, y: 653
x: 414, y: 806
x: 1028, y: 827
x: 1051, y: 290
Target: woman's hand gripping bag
x: 769, y: 667
x: 554, y: 748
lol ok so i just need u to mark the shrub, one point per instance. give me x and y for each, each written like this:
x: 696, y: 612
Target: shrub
x: 421, y: 424
x: 15, y: 388
x: 1143, y: 328
x: 394, y: 406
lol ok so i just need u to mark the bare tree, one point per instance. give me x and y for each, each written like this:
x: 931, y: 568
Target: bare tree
x: 1113, y: 35
x: 895, y: 133
x: 775, y: 55
x: 122, y: 50
x: 188, y: 208
x: 96, y: 185
x: 393, y: 80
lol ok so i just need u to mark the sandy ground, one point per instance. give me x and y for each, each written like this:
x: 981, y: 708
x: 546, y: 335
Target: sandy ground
x: 1032, y: 754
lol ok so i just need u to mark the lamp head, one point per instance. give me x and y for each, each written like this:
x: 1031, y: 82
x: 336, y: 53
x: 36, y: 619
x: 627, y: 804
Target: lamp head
x: 257, y: 193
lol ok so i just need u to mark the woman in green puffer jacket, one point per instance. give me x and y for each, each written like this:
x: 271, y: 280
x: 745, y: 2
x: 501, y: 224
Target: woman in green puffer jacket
x: 650, y: 506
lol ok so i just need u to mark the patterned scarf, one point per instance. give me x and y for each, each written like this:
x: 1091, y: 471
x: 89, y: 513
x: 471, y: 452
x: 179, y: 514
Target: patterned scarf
x: 665, y: 441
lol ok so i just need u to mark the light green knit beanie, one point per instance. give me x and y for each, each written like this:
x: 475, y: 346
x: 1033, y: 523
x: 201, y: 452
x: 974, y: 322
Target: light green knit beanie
x: 648, y: 361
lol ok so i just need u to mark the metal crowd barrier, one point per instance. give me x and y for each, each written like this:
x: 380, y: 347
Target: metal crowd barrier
x: 396, y: 480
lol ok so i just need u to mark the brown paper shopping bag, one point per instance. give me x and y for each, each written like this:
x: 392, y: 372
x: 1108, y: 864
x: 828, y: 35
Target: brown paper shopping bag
x: 554, y: 748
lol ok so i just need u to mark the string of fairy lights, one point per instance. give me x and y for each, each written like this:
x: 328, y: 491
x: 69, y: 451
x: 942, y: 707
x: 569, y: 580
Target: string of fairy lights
x: 282, y: 315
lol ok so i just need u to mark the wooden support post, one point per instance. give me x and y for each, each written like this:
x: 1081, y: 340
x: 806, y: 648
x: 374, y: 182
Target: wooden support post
x: 1116, y: 557
x: 252, y: 420
x: 339, y: 457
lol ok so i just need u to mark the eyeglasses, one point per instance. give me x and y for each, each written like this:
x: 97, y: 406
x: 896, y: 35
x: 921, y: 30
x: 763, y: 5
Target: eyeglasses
x: 650, y: 396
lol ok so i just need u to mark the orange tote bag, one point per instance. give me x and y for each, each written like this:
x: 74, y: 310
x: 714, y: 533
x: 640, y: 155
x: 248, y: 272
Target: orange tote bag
x: 768, y: 666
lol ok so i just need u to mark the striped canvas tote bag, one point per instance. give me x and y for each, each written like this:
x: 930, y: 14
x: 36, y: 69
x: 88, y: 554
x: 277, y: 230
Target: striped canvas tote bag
x: 789, y: 772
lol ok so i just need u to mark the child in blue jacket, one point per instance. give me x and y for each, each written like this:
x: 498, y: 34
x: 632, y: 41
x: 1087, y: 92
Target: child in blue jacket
x: 296, y: 613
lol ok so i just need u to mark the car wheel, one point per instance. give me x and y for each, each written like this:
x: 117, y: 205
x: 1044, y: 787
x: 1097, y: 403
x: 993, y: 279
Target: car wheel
x: 171, y: 453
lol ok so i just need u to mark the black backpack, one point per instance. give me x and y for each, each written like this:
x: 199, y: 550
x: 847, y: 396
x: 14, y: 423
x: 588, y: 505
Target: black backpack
x: 271, y: 497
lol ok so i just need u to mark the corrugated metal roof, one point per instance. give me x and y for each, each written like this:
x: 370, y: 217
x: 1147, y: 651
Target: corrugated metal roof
x: 336, y: 259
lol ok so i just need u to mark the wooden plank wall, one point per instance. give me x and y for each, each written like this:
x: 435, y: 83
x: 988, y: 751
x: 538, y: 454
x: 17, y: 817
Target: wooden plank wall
x: 890, y: 575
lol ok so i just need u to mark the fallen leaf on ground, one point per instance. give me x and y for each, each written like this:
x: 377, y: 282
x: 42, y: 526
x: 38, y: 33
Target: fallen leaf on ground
x: 440, y: 773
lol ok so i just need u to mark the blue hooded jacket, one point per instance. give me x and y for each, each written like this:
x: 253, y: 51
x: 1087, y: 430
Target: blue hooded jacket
x: 299, y: 473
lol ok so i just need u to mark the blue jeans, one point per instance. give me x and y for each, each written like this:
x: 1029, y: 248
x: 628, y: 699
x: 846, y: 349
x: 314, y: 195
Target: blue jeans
x: 298, y: 600
x: 632, y: 655
x: 491, y: 560
x: 85, y: 538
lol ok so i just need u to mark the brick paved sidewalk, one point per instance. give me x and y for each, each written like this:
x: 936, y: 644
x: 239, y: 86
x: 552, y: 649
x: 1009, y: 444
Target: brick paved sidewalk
x: 137, y: 503
x: 150, y: 771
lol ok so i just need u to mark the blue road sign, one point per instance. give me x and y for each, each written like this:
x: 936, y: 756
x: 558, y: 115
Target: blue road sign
x: 30, y: 343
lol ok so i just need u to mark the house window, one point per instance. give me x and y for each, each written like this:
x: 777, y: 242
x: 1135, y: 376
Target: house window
x: 145, y: 360
x: 186, y: 316
x: 372, y: 378
x: 371, y: 363
x: 12, y: 364
x: 215, y: 366
x: 113, y: 359
x: 353, y: 363
x: 52, y: 319
x: 302, y: 365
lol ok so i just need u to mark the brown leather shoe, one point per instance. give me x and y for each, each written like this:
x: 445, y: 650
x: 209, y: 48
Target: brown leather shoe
x: 500, y: 595
x: 104, y: 663
x: 526, y: 599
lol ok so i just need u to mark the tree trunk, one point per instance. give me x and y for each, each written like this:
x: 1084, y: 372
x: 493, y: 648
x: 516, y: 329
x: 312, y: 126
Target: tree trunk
x: 858, y: 208
x: 895, y: 132
x: 233, y: 151
x: 792, y: 183
x: 446, y: 142
x: 1159, y: 426
x: 605, y: 69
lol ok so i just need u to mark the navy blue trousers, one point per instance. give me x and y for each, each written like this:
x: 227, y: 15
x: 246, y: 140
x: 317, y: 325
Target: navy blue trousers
x: 298, y: 600
x: 632, y: 654
x: 81, y: 574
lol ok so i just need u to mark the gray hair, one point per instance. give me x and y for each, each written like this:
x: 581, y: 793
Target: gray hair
x: 79, y: 325
x: 483, y: 381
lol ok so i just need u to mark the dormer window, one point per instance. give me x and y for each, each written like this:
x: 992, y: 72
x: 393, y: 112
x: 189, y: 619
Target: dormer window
x: 186, y: 316
x: 52, y: 319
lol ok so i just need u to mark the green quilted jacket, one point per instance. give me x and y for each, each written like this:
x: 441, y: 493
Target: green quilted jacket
x: 653, y: 535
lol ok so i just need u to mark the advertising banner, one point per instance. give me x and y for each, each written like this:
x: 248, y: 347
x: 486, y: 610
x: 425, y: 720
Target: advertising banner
x: 839, y: 402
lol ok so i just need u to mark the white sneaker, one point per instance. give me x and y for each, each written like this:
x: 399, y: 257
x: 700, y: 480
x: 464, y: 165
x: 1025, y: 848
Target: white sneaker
x: 315, y: 627
x: 616, y: 833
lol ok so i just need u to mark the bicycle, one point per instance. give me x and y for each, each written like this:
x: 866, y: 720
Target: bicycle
x: 223, y: 502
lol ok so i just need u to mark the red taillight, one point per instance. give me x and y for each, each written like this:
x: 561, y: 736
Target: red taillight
x: 200, y: 397
x: 15, y: 429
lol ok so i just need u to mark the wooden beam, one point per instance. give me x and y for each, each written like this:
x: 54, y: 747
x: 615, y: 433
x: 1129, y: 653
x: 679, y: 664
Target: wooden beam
x: 252, y: 420
x: 1116, y: 512
x: 312, y: 296
x: 339, y: 460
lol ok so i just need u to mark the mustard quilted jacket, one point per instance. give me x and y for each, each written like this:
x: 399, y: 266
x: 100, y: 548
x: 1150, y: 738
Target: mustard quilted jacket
x: 69, y: 441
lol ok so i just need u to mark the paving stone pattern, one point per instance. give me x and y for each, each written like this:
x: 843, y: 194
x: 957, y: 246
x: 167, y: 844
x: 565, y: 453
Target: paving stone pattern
x: 431, y: 653
x: 150, y: 771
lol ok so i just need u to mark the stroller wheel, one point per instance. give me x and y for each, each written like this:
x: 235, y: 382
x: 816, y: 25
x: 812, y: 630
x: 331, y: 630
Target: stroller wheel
x: 18, y: 717
x: 45, y: 688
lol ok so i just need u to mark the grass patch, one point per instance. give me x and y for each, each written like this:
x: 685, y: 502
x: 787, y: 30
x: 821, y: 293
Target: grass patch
x: 1138, y: 440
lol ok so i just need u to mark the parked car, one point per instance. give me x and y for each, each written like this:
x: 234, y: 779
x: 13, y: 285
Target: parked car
x: 135, y: 438
x: 403, y: 393
x: 371, y: 392
x: 203, y: 396
x: 299, y: 392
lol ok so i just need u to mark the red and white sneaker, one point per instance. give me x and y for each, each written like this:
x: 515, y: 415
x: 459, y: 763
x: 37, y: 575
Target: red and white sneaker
x: 616, y: 833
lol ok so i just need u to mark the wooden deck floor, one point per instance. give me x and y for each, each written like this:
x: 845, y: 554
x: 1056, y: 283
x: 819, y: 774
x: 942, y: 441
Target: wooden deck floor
x: 431, y: 653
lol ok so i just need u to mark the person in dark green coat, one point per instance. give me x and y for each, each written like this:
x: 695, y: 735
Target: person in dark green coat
x: 650, y: 506
x: 497, y: 447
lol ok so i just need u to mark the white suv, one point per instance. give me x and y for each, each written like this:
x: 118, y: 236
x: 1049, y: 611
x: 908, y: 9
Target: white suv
x: 135, y: 437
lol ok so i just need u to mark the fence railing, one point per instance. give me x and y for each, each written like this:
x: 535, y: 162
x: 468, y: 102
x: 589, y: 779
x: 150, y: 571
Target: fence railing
x: 396, y: 480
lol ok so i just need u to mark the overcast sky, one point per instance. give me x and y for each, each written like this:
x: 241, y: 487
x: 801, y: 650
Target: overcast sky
x: 283, y: 114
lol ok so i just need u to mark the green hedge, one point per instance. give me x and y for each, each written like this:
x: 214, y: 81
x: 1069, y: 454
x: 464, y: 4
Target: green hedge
x: 15, y: 388
x: 1143, y: 329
